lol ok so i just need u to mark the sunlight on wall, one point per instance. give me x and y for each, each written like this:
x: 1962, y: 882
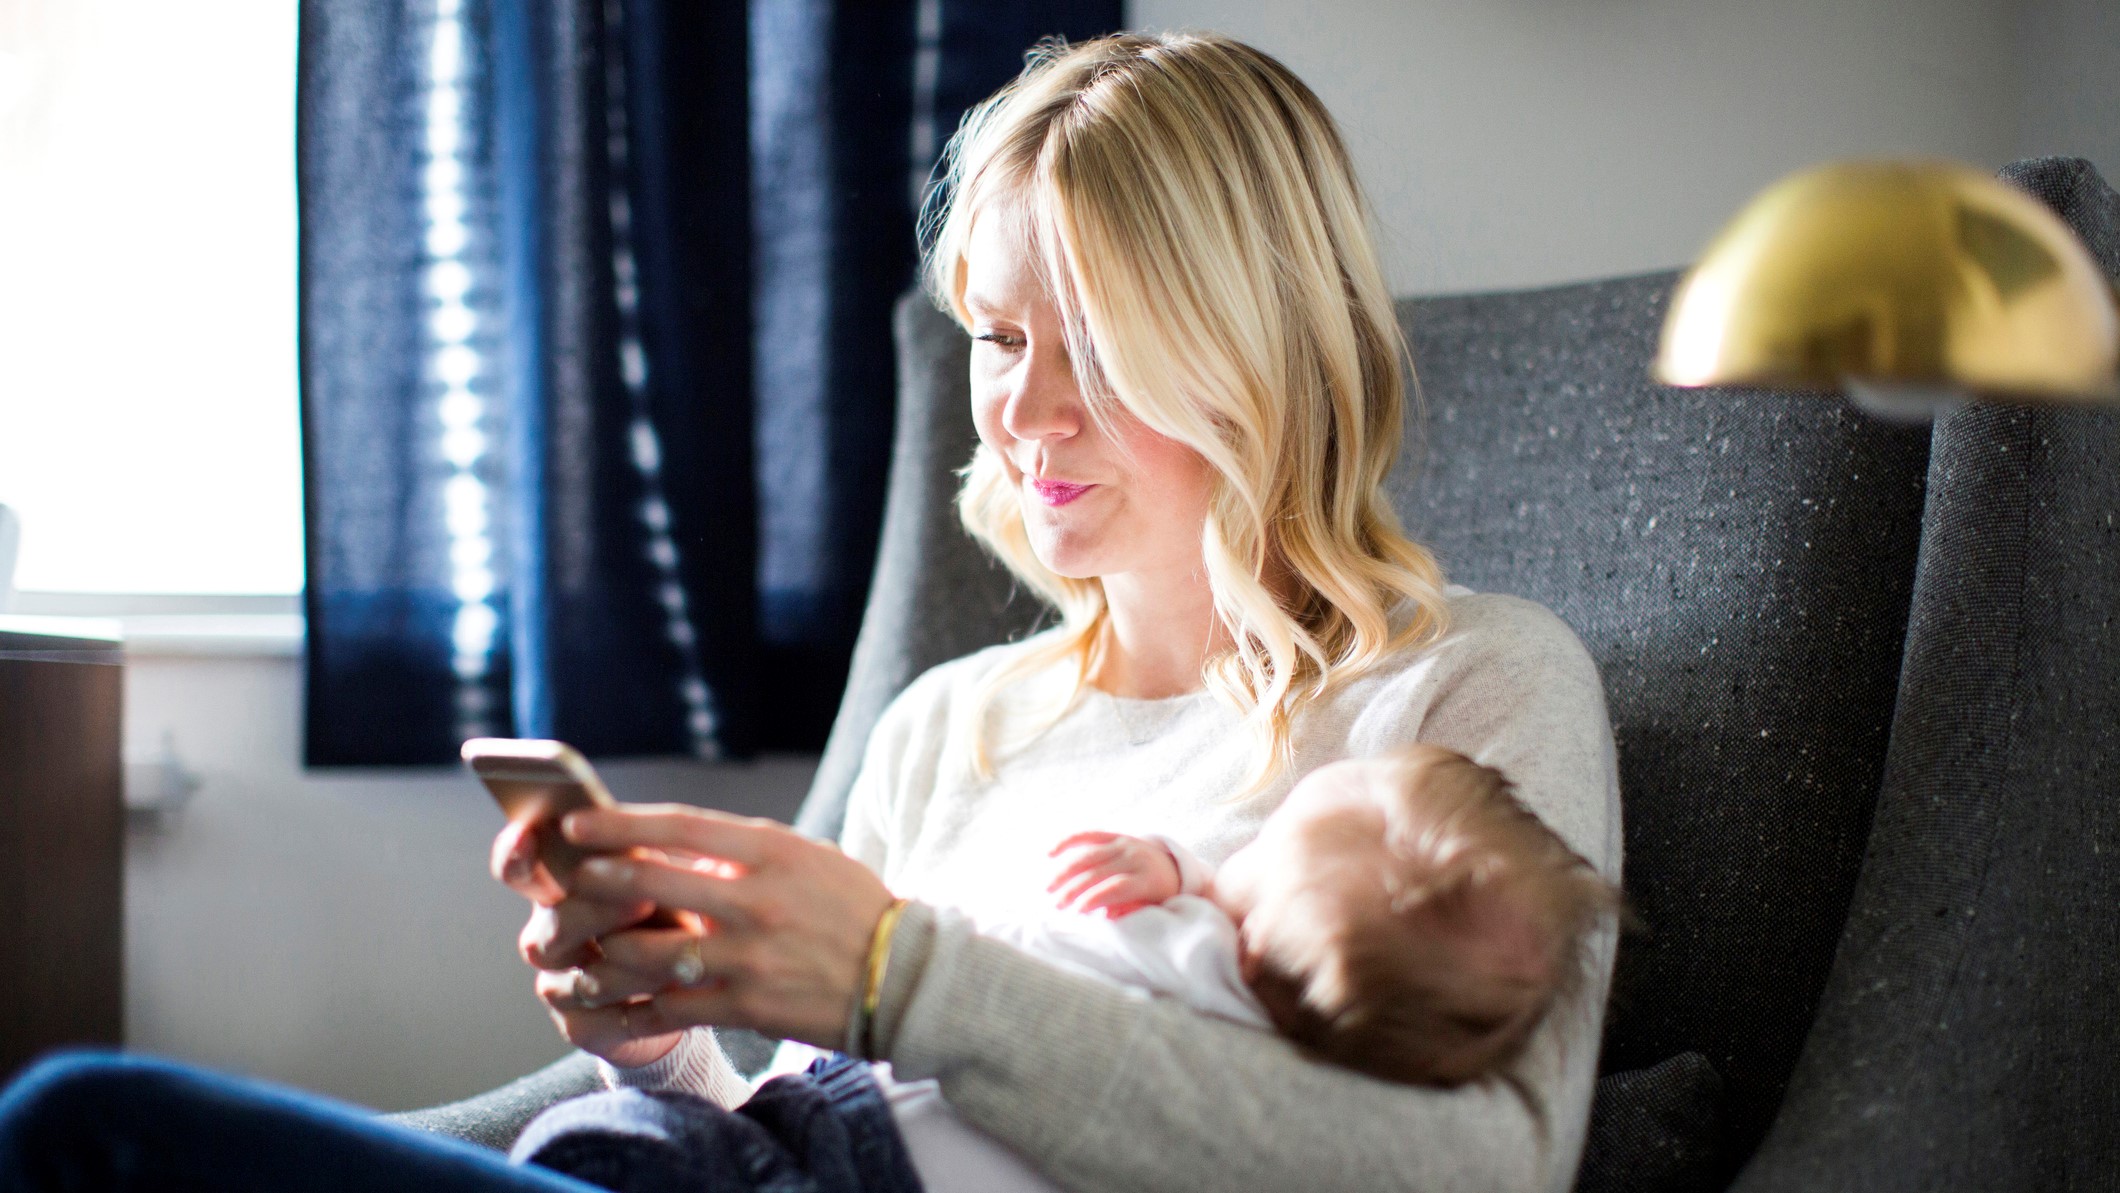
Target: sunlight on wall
x: 148, y: 429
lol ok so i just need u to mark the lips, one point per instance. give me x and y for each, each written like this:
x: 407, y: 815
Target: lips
x: 1058, y: 492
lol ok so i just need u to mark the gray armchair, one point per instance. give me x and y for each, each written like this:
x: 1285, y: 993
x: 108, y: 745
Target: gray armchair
x: 1866, y: 684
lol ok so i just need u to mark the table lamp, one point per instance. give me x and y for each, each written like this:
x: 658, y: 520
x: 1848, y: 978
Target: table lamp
x: 1913, y: 286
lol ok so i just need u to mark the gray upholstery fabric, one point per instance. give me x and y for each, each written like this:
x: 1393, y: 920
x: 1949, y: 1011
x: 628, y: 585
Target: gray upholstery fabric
x: 494, y: 1118
x: 1969, y: 1038
x: 1729, y: 558
x: 1655, y: 1130
x: 936, y: 594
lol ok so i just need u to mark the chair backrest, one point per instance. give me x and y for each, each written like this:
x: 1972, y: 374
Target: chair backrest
x: 1969, y: 1032
x: 935, y: 595
x: 1739, y: 564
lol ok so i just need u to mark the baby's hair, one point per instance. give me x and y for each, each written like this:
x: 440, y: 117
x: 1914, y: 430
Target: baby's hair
x: 1437, y: 970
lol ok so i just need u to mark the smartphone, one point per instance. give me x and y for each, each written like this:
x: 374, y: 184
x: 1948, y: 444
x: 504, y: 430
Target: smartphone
x: 539, y: 781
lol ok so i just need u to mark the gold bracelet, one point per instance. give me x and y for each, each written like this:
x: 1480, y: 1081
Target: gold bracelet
x: 879, y: 961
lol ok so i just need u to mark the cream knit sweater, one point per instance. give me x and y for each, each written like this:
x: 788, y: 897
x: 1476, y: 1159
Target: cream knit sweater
x: 1106, y: 1089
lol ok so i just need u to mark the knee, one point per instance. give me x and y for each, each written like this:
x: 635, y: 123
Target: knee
x: 630, y: 1114
x: 65, y: 1087
x: 628, y: 1139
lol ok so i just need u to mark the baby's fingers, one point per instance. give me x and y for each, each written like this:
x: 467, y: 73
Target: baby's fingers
x: 1116, y: 896
x: 1076, y: 885
x: 1085, y: 838
x: 1093, y: 858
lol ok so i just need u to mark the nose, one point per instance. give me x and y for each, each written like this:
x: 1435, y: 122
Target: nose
x: 1045, y: 403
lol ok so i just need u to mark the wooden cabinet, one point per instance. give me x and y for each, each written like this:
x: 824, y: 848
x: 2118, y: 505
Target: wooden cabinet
x: 62, y: 838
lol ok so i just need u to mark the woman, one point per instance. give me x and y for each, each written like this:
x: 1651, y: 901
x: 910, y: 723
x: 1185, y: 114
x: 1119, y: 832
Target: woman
x: 1186, y: 379
x: 1187, y: 382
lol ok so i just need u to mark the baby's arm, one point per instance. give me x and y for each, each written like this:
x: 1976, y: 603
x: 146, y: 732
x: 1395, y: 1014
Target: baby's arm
x: 1117, y: 874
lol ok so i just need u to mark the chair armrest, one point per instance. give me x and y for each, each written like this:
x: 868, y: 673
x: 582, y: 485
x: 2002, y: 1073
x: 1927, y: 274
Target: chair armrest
x: 497, y: 1116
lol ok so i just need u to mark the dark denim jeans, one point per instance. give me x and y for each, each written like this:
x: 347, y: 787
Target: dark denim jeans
x: 92, y: 1121
x: 828, y: 1131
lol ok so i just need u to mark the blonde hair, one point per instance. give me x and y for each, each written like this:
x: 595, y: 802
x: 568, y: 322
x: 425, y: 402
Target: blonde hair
x: 1377, y: 971
x: 1197, y: 224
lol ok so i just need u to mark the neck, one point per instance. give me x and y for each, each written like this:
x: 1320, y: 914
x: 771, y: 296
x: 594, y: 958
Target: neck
x: 1159, y: 632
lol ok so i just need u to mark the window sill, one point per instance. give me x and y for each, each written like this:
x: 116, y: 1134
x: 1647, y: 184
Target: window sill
x: 174, y: 626
x: 213, y: 635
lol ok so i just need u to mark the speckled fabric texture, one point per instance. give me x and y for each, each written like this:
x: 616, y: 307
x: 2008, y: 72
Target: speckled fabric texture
x: 1738, y: 563
x: 1655, y: 1130
x: 494, y: 1118
x: 1970, y: 1035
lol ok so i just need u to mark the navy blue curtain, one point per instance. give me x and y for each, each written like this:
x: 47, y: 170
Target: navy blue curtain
x: 596, y: 361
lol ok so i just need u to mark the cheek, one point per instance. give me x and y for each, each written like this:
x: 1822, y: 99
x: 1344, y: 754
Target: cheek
x: 987, y: 402
x: 1175, y: 477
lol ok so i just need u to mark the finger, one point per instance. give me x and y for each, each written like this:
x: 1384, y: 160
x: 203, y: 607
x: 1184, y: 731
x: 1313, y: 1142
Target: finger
x: 644, y: 960
x: 1100, y: 858
x: 702, y: 831
x: 638, y: 1018
x: 1088, y: 838
x: 1081, y: 883
x: 680, y: 887
x: 1113, y: 891
x: 514, y: 860
x: 1122, y: 910
x: 584, y: 1019
x: 564, y: 935
x: 717, y: 1003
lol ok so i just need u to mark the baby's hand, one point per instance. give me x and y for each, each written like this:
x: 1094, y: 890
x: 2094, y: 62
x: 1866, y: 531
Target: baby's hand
x: 1113, y: 873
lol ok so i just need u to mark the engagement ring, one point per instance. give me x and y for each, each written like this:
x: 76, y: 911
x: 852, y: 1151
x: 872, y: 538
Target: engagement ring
x: 689, y: 967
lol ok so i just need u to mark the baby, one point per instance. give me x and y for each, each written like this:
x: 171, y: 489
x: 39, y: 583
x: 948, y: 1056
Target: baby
x: 1403, y: 916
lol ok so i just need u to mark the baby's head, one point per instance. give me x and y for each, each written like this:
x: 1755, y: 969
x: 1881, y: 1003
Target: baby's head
x: 1405, y: 916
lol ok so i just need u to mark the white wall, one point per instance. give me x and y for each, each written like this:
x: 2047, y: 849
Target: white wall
x: 1512, y: 143
x: 2070, y: 58
x: 338, y: 930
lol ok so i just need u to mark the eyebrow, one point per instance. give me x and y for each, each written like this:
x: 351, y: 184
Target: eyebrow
x: 976, y: 301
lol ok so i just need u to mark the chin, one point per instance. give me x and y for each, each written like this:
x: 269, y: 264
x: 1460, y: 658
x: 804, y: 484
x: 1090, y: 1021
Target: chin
x: 1067, y: 567
x: 1064, y: 558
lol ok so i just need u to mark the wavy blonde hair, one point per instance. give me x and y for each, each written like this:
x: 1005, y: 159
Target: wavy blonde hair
x: 1198, y: 227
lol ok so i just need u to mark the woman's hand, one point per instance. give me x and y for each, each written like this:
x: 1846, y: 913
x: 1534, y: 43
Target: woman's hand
x: 773, y: 927
x: 561, y: 934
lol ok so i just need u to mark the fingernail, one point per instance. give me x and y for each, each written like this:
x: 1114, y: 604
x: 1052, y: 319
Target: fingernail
x: 586, y: 988
x: 571, y: 825
x: 609, y: 869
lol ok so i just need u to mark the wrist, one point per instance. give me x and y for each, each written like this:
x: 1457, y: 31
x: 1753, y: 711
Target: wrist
x: 869, y: 983
x: 1194, y: 875
x: 912, y: 942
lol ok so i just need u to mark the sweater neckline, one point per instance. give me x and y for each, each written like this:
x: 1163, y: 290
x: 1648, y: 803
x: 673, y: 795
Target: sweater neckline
x: 1142, y: 720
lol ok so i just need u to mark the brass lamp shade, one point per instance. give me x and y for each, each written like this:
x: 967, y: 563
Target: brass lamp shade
x: 1896, y: 276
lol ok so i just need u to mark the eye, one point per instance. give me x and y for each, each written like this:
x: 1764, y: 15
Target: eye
x: 1000, y: 339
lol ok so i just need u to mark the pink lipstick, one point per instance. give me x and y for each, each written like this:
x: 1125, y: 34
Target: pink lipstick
x: 1059, y: 492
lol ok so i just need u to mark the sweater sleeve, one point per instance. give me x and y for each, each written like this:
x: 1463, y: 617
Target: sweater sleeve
x: 1164, y: 1098
x: 697, y: 1065
x: 1194, y: 875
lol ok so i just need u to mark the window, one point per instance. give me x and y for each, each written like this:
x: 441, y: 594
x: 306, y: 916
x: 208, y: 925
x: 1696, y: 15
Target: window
x: 148, y: 420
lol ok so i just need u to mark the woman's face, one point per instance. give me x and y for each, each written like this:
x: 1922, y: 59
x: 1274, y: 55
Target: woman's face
x: 1095, y: 504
